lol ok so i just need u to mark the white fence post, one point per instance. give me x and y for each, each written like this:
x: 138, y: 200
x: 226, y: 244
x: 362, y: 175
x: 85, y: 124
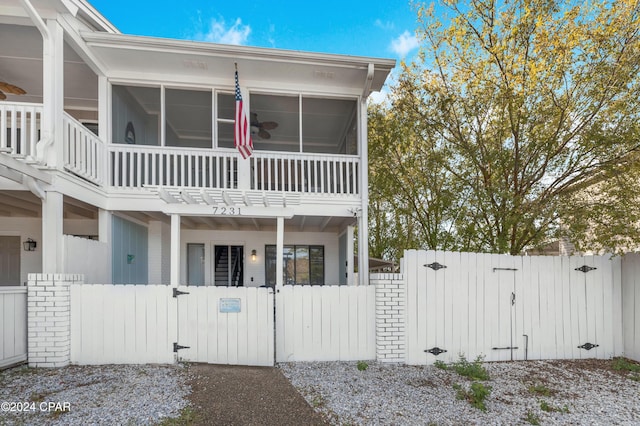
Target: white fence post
x: 390, y: 317
x: 49, y: 319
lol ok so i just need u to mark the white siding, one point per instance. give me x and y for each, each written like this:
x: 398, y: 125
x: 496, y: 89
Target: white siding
x: 257, y: 240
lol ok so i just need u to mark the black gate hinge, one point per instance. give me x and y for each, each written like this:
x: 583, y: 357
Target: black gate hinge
x: 177, y: 292
x: 588, y: 346
x: 435, y: 266
x: 177, y: 347
x: 585, y: 268
x: 435, y: 351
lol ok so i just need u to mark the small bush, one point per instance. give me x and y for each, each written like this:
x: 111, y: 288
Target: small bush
x: 440, y: 364
x: 546, y: 407
x: 362, y: 365
x: 476, y: 395
x: 541, y: 390
x: 472, y: 370
x: 532, y: 419
x: 623, y: 364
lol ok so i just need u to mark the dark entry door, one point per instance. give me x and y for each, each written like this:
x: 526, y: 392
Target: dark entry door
x: 9, y: 261
x: 229, y: 266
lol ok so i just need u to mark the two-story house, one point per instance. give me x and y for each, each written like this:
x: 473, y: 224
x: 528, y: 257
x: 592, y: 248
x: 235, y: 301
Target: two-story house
x: 117, y: 156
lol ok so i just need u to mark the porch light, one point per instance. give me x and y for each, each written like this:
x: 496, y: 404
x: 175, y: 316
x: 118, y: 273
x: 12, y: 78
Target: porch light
x: 29, y: 245
x: 253, y: 255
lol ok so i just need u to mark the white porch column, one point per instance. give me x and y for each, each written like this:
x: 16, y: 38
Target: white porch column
x: 279, y: 251
x: 104, y: 226
x: 105, y: 220
x: 363, y: 219
x: 350, y: 255
x: 52, y: 231
x: 53, y: 95
x: 175, y: 250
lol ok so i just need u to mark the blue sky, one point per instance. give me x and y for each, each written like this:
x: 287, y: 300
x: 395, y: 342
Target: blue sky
x: 376, y: 28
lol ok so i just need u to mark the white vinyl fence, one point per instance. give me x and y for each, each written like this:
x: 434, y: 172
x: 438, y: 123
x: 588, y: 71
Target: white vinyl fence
x: 511, y: 307
x: 631, y: 305
x: 95, y: 258
x: 13, y: 325
x: 328, y: 323
x: 122, y: 324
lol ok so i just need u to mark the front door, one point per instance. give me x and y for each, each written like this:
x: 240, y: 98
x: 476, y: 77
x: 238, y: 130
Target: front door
x: 195, y: 264
x: 9, y: 261
x: 228, y: 266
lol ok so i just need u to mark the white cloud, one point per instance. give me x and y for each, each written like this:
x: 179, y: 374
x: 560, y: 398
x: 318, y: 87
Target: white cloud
x: 404, y: 44
x: 218, y: 32
x: 387, y: 25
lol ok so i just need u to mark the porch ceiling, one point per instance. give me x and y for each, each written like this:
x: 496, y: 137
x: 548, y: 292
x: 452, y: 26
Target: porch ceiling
x: 295, y: 224
x: 25, y: 204
x: 21, y: 65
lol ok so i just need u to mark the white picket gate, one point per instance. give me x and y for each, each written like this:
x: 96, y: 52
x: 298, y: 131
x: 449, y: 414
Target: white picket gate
x: 511, y: 307
x: 226, y: 325
x: 13, y: 325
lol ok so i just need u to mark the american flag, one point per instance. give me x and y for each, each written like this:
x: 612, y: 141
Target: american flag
x: 242, y: 130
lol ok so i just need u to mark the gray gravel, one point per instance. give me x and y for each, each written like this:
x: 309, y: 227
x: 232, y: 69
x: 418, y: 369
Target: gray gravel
x: 94, y: 395
x: 580, y: 393
x: 584, y: 392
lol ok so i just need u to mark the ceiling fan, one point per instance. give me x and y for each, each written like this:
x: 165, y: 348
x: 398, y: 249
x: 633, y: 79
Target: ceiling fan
x: 9, y: 88
x: 260, y: 127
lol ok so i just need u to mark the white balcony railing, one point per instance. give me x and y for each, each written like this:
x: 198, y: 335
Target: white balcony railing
x: 305, y: 173
x: 135, y: 166
x: 84, y: 152
x: 19, y: 128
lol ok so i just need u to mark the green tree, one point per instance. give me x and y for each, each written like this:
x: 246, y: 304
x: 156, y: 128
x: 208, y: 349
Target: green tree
x: 517, y: 123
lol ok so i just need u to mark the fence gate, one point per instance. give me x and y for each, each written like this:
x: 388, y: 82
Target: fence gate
x: 225, y: 325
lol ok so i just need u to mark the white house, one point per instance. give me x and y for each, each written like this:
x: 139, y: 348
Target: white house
x: 129, y: 141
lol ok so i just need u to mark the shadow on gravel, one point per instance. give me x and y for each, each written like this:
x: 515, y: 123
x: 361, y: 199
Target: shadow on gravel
x: 236, y: 395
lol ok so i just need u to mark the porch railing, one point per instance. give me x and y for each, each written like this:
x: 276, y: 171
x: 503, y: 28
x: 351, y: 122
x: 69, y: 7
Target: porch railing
x: 137, y: 166
x: 306, y: 173
x: 84, y: 152
x: 19, y: 128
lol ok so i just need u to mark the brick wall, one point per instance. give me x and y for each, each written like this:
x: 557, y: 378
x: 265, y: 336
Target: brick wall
x: 49, y: 318
x: 390, y: 317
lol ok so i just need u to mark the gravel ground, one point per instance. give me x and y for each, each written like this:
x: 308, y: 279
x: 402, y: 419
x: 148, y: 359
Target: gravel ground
x: 586, y: 392
x: 92, y: 395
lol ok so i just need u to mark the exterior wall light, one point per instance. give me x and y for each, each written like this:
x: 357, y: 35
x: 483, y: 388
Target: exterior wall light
x: 29, y: 245
x: 253, y: 255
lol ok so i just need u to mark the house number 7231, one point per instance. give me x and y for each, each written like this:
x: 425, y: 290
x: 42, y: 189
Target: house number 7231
x: 227, y: 211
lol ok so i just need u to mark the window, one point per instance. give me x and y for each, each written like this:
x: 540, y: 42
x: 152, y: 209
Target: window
x: 301, y: 264
x: 225, y: 120
x: 188, y: 118
x: 304, y: 124
x: 136, y: 110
